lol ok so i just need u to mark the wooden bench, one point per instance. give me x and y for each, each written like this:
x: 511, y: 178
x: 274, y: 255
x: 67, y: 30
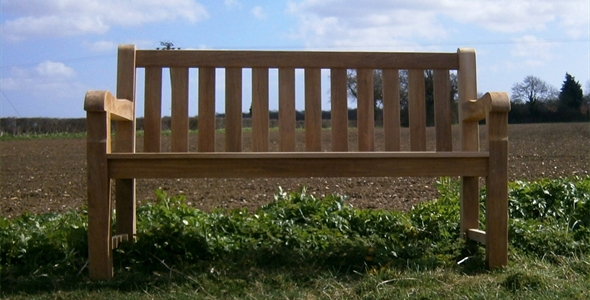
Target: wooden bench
x: 124, y: 164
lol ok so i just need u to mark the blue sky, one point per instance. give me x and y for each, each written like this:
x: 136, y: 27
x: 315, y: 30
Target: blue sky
x: 53, y: 51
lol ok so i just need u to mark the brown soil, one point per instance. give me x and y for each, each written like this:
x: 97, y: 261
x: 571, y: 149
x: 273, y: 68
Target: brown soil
x: 50, y: 175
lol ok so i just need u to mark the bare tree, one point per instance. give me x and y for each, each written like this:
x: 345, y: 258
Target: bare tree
x: 377, y: 86
x: 533, y: 90
x: 403, y: 91
x: 168, y: 46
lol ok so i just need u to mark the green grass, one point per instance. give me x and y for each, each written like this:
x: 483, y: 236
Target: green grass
x: 38, y: 136
x: 80, y: 135
x: 526, y: 278
x: 301, y: 247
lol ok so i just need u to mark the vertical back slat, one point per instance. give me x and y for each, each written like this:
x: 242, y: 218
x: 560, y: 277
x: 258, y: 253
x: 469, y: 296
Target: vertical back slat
x: 152, y: 122
x: 339, y: 101
x: 233, y: 109
x: 442, y: 110
x: 365, y: 110
x: 313, y: 110
x: 260, y: 109
x: 179, y: 122
x: 286, y: 109
x: 417, y: 106
x: 391, y: 110
x: 206, y: 121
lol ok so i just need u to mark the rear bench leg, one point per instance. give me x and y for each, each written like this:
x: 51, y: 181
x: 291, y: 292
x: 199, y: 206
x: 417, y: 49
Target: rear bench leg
x: 125, y: 207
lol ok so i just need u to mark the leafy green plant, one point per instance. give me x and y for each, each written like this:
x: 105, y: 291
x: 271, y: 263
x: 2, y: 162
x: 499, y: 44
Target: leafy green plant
x: 549, y: 218
x: 44, y: 244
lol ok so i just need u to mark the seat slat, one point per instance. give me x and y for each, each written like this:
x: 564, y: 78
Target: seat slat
x: 291, y: 165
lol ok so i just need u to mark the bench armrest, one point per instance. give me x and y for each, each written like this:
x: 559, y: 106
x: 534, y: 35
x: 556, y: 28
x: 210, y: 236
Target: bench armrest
x: 475, y: 110
x: 104, y: 101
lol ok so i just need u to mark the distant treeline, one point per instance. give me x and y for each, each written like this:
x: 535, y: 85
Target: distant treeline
x: 16, y: 126
x: 546, y: 112
x: 520, y: 113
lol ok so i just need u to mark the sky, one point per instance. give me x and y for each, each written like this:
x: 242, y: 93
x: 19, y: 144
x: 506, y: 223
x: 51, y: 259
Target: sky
x: 53, y: 51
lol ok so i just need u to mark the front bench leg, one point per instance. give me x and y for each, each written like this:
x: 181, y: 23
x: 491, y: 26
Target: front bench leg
x: 497, y: 191
x: 100, y: 259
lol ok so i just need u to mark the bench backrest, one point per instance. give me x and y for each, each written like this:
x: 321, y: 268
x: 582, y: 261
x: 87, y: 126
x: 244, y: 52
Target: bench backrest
x: 179, y: 62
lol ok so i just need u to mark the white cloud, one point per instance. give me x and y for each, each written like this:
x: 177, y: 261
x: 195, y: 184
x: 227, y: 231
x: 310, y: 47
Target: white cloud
x: 258, y: 12
x: 101, y: 46
x: 52, y: 69
x: 232, y: 4
x: 73, y: 17
x: 533, y: 51
x: 44, y: 76
x: 8, y: 84
x: 47, y: 89
x: 20, y: 79
x: 346, y: 23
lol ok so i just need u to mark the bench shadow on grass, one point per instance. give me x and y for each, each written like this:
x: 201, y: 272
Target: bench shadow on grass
x: 256, y: 266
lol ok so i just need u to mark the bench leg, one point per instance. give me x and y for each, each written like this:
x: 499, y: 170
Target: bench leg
x: 469, y: 204
x: 100, y: 260
x: 497, y: 194
x: 125, y: 207
x: 496, y: 224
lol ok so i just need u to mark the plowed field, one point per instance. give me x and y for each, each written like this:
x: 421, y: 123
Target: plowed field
x: 50, y: 175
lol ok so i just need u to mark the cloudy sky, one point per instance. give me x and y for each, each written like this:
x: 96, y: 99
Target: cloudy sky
x: 52, y: 51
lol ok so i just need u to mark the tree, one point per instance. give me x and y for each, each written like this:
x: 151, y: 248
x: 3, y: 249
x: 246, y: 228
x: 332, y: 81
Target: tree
x: 377, y: 86
x: 403, y: 84
x: 571, y: 96
x: 532, y: 90
x: 168, y: 46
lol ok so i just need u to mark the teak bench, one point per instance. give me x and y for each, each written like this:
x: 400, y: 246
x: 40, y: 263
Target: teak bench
x: 124, y: 164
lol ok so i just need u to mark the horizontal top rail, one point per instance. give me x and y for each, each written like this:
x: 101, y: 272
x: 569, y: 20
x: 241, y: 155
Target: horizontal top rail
x: 292, y: 59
